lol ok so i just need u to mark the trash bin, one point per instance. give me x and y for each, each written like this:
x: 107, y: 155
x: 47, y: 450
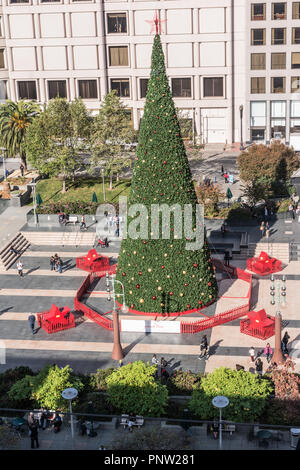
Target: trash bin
x: 295, y: 435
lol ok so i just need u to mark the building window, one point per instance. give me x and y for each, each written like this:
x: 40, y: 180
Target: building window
x: 258, y: 61
x: 87, y: 89
x: 295, y: 60
x: 295, y: 84
x: 296, y: 10
x: 2, y: 64
x: 278, y: 60
x: 116, y: 23
x: 181, y: 87
x: 18, y: 1
x: 118, y: 56
x: 121, y: 85
x: 213, y: 86
x: 258, y: 11
x: 143, y: 87
x: 258, y: 114
x: 3, y: 90
x: 258, y: 37
x: 295, y: 35
x: 57, y: 88
x: 278, y: 85
x: 295, y: 117
x: 27, y: 90
x: 278, y: 11
x: 278, y: 113
x: 278, y: 36
x: 1, y: 33
x: 258, y: 85
x: 50, y: 1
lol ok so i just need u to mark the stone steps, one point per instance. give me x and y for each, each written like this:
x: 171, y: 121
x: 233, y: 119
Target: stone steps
x: 61, y: 238
x: 19, y: 243
x: 280, y: 251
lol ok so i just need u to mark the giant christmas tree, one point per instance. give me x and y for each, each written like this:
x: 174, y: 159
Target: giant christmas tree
x: 162, y: 275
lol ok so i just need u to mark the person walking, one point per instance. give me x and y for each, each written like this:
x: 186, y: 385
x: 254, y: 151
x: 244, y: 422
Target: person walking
x: 33, y: 432
x: 222, y: 170
x: 59, y: 265
x: 262, y: 229
x: 267, y: 230
x: 266, y: 216
x: 259, y: 366
x: 292, y: 211
x: 55, y: 261
x: 30, y: 419
x: 226, y: 176
x: 52, y: 263
x: 117, y: 232
x: 31, y: 320
x: 20, y: 268
x: 284, y: 342
x: 252, y: 353
x: 203, y: 347
x: 155, y: 360
x: 226, y: 258
x: 22, y: 170
x: 223, y: 229
x: 268, y: 352
x: 82, y: 223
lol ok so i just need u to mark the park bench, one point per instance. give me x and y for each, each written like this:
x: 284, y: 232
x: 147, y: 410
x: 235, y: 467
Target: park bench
x: 137, y: 421
x: 229, y: 428
x: 73, y: 219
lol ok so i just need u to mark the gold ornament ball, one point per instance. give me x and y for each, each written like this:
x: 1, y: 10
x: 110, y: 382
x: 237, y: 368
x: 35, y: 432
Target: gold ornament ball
x: 181, y: 294
x: 141, y: 301
x: 149, y: 270
x: 159, y: 288
x: 183, y: 272
x: 130, y: 292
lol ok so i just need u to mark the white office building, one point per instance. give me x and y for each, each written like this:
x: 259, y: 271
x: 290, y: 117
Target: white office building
x: 220, y: 55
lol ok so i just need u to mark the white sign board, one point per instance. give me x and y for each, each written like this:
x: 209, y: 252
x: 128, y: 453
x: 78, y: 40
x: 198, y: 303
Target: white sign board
x: 151, y: 326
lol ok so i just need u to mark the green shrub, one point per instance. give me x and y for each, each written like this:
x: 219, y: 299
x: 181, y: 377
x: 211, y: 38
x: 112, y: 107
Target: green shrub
x: 182, y: 382
x: 100, y: 406
x: 247, y: 394
x: 133, y: 389
x: 7, y: 380
x: 98, y: 379
x: 46, y: 387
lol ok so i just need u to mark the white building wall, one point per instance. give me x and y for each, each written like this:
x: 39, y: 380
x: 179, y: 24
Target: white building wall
x: 70, y: 41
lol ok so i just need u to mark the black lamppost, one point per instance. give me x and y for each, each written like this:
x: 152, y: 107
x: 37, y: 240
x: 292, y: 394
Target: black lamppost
x: 277, y: 356
x: 241, y: 119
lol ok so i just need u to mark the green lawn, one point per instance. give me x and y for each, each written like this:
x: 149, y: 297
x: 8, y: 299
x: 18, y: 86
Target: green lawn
x: 80, y: 191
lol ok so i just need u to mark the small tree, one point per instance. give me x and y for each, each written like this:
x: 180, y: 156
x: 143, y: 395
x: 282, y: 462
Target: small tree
x: 58, y: 140
x: 267, y: 166
x: 15, y: 120
x: 246, y: 392
x: 133, y: 389
x: 209, y: 195
x: 111, y: 131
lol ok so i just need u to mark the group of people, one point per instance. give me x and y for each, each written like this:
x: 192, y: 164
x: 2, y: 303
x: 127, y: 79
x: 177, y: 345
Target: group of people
x: 56, y: 263
x: 227, y: 175
x: 294, y: 207
x: 161, y: 366
x: 265, y: 229
x: 41, y: 421
x: 268, y: 353
x: 113, y: 222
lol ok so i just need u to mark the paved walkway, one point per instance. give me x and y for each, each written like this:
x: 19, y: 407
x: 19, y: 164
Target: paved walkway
x: 108, y: 437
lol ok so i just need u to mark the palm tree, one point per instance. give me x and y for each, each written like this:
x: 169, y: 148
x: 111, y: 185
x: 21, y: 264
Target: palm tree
x: 14, y: 121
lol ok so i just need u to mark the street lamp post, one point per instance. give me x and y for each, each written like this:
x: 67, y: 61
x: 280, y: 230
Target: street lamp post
x: 117, y: 352
x: 33, y: 185
x: 280, y: 292
x: 241, y: 120
x: 103, y: 184
x: 70, y: 394
x: 220, y: 402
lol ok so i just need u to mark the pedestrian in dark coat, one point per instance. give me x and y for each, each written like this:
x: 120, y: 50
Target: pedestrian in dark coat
x: 284, y: 342
x: 31, y: 320
x: 22, y: 170
x: 30, y: 419
x: 59, y: 265
x: 34, y: 436
x: 259, y: 366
